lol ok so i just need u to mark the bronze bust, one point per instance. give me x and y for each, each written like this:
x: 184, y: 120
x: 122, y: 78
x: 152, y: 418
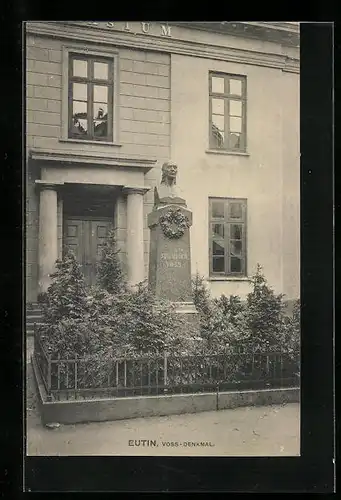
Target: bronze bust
x: 168, y: 192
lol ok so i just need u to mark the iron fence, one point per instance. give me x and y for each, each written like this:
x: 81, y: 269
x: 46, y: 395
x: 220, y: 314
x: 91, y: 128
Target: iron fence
x: 160, y: 374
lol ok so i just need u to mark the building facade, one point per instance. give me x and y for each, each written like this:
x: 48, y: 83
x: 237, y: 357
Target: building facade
x: 107, y: 103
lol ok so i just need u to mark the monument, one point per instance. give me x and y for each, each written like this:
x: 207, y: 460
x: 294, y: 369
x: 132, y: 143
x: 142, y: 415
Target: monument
x: 170, y: 252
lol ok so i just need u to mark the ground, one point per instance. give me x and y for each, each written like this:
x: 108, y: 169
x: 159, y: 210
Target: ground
x: 250, y: 431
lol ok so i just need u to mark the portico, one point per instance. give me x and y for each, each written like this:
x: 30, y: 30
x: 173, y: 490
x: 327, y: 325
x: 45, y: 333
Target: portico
x: 78, y: 205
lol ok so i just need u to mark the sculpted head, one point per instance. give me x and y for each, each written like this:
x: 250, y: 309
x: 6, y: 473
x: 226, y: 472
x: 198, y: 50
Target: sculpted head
x: 169, y: 172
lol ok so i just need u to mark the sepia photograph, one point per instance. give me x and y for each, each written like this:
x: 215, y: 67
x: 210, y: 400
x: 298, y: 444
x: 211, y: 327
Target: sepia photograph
x: 162, y: 238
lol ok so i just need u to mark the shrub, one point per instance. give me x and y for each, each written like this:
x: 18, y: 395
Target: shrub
x: 231, y: 307
x: 201, y: 295
x: 109, y: 270
x: 292, y: 334
x: 264, y: 313
x: 68, y: 327
x: 66, y: 296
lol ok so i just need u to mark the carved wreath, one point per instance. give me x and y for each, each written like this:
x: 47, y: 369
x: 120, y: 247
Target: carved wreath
x: 174, y: 223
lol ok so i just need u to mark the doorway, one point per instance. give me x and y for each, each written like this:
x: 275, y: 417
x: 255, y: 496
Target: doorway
x: 88, y: 219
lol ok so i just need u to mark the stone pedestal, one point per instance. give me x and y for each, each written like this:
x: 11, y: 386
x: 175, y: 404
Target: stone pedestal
x: 170, y: 261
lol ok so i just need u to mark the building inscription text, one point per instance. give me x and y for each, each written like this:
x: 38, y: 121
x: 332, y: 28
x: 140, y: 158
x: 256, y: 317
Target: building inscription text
x: 144, y: 27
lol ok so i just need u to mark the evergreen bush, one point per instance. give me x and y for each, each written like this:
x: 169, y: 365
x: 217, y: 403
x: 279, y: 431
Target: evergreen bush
x: 67, y: 330
x: 264, y: 314
x: 110, y: 275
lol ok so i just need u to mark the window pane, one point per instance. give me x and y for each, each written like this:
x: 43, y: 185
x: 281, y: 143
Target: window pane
x: 217, y: 137
x: 236, y: 248
x: 236, y: 211
x: 218, y: 264
x: 79, y: 109
x: 234, y: 141
x: 218, y: 247
x: 100, y: 119
x: 235, y: 87
x: 101, y: 71
x: 218, y: 230
x: 217, y: 209
x: 218, y: 106
x: 79, y: 118
x: 80, y: 91
x: 219, y: 122
x: 236, y: 232
x: 236, y: 265
x: 235, y: 124
x: 100, y: 93
x: 235, y: 108
x: 217, y: 85
x: 80, y: 68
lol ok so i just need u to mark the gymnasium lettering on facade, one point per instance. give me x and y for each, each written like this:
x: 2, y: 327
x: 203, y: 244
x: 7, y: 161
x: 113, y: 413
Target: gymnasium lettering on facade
x: 144, y: 27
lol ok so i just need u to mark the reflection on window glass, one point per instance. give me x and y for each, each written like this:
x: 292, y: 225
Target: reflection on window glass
x: 79, y: 118
x: 236, y: 265
x: 218, y: 264
x: 91, y: 90
x: 236, y: 248
x: 80, y: 91
x: 218, y: 106
x: 100, y: 71
x: 235, y: 87
x: 219, y: 122
x: 79, y: 126
x: 100, y: 119
x: 218, y: 248
x: 227, y: 232
x: 80, y: 68
x: 235, y: 108
x: 218, y: 230
x: 235, y: 231
x: 217, y: 209
x: 80, y: 109
x: 217, y: 85
x: 234, y: 141
x: 236, y: 211
x: 217, y: 137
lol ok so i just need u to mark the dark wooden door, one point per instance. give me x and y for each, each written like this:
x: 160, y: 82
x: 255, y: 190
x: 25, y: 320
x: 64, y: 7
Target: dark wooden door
x: 86, y: 238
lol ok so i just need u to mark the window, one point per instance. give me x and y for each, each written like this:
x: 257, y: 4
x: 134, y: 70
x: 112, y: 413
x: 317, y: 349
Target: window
x: 227, y: 112
x: 90, y: 97
x: 227, y: 236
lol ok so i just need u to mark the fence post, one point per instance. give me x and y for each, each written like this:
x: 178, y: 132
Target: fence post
x: 76, y: 375
x: 165, y: 370
x: 34, y: 339
x: 49, y: 396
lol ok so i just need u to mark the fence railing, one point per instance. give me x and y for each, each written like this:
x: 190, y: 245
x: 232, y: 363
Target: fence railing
x: 84, y: 378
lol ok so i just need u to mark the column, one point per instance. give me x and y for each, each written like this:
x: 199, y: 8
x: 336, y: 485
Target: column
x: 135, y: 247
x: 48, y: 239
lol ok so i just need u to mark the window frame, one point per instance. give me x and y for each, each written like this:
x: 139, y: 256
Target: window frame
x: 227, y: 97
x: 227, y: 221
x: 92, y: 54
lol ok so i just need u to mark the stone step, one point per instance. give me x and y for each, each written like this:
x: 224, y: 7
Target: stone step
x: 33, y: 305
x: 33, y: 318
x: 30, y: 328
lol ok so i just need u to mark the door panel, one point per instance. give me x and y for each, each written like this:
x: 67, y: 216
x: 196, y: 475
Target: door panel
x: 73, y: 238
x: 100, y: 231
x: 86, y: 237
